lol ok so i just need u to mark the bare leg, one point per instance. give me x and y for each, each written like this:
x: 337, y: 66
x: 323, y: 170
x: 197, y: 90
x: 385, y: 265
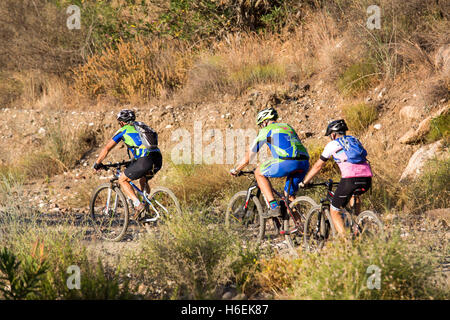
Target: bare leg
x: 264, y: 185
x: 355, y: 202
x: 144, y: 185
x: 124, y: 183
x: 337, y: 221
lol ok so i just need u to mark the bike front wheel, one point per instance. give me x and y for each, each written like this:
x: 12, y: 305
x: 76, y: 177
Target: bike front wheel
x: 294, y: 230
x: 245, y: 217
x: 109, y: 212
x: 318, y: 228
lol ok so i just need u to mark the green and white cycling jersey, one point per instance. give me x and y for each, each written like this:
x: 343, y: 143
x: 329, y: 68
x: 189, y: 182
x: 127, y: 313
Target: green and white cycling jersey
x: 282, y: 141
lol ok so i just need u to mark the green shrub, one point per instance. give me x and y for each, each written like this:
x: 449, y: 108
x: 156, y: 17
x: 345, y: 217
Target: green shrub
x: 431, y: 190
x: 200, y: 185
x: 330, y: 170
x: 359, y: 116
x: 439, y: 128
x: 47, y: 251
x: 356, y: 78
x: 254, y: 74
x: 20, y: 279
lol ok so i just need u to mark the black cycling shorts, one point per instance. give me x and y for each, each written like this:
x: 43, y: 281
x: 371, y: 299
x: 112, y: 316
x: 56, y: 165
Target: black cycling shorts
x: 345, y: 189
x: 144, y: 167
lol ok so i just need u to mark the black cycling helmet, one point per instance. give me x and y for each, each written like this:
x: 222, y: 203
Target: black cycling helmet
x: 266, y: 114
x: 336, y: 126
x: 126, y: 115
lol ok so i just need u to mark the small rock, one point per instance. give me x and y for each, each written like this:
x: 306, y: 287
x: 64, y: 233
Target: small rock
x: 381, y: 94
x: 377, y: 126
x: 168, y: 126
x: 227, y: 295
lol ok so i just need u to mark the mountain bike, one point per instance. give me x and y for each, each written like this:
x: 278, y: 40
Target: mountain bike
x: 319, y: 226
x: 244, y: 213
x: 109, y: 208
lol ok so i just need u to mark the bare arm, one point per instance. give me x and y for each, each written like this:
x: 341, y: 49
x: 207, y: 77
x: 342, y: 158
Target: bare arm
x: 109, y: 146
x: 246, y: 160
x: 314, y: 170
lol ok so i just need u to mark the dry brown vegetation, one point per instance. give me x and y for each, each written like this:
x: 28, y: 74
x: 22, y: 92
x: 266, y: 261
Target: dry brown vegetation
x: 192, y: 56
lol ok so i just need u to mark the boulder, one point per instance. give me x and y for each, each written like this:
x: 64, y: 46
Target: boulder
x: 413, y: 136
x: 418, y: 160
x: 409, y: 137
x: 410, y: 112
x: 442, y: 59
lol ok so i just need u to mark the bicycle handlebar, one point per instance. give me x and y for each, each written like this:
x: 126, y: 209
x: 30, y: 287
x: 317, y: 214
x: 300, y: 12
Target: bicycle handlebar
x: 322, y: 184
x: 115, y: 165
x: 242, y: 173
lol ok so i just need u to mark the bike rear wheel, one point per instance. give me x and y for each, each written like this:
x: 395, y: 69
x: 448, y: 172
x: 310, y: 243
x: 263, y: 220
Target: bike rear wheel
x: 163, y: 203
x: 369, y: 225
x: 318, y: 228
x: 245, y: 219
x: 294, y: 230
x: 109, y: 212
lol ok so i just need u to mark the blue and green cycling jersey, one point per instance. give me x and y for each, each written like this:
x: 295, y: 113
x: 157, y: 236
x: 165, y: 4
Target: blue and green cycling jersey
x: 282, y: 141
x: 129, y: 135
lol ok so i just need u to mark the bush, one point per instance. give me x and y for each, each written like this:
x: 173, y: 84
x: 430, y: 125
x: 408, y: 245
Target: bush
x: 340, y: 271
x: 46, y: 252
x: 63, y: 147
x: 431, y: 190
x: 439, y: 128
x: 359, y: 116
x: 137, y: 69
x: 20, y: 279
x: 236, y: 64
x: 356, y: 78
x: 330, y: 170
x: 192, y: 257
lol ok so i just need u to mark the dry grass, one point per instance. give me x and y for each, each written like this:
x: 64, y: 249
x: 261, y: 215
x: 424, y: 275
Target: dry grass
x: 359, y: 116
x: 139, y: 69
x: 409, y: 269
x: 64, y: 146
x: 200, y: 185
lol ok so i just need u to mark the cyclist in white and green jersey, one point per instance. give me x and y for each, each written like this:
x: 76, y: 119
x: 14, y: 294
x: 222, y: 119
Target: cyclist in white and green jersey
x: 289, y: 157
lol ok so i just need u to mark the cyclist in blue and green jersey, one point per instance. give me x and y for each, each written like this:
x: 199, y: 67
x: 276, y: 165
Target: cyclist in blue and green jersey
x: 289, y: 158
x: 146, y: 161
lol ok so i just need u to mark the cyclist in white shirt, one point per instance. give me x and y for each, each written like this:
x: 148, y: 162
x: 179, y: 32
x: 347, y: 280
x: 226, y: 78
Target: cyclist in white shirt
x: 355, y: 176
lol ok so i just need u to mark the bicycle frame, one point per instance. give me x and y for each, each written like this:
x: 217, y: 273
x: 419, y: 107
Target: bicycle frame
x: 326, y: 202
x: 141, y: 193
x: 284, y: 202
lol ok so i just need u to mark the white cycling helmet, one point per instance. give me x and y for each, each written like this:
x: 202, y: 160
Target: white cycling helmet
x: 266, y: 114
